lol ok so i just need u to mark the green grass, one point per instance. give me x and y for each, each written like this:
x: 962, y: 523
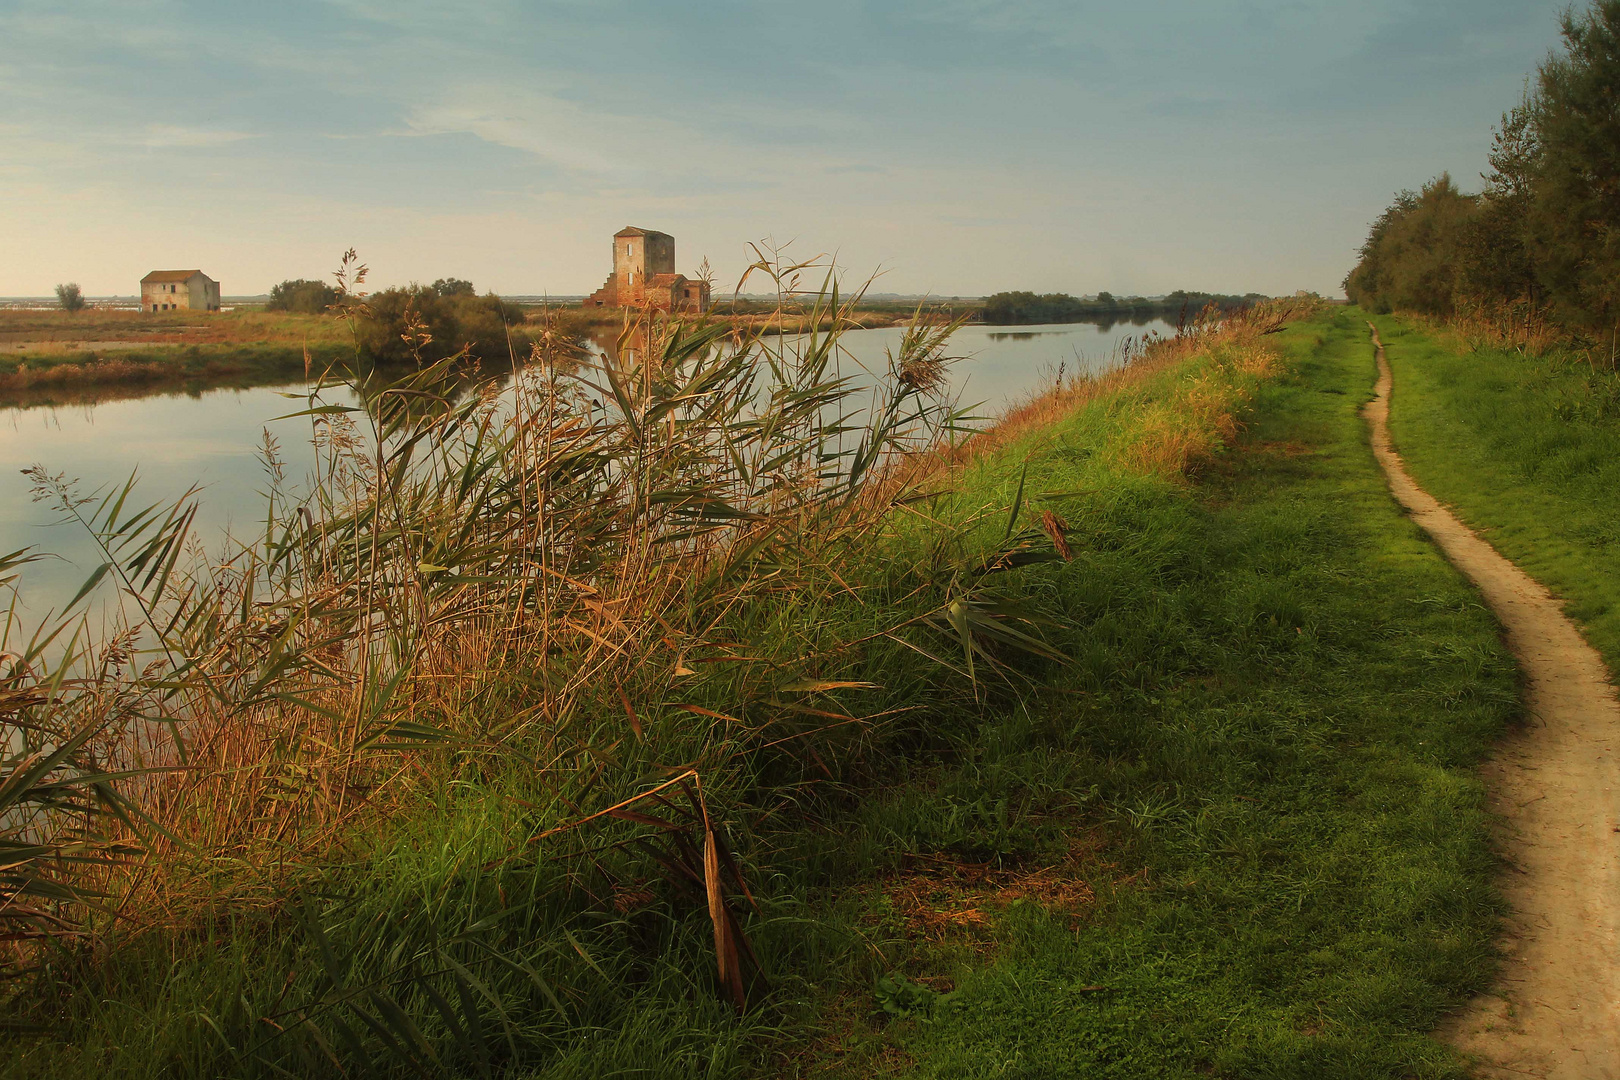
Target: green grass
x: 1280, y: 695
x: 1265, y: 739
x: 1526, y: 451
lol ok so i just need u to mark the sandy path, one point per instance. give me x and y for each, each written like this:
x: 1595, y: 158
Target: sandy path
x: 1555, y: 787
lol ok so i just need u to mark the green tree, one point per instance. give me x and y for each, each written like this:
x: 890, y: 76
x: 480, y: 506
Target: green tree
x: 302, y: 296
x: 1576, y: 208
x: 453, y: 287
x: 1498, y: 263
x: 1414, y: 250
x: 70, y: 297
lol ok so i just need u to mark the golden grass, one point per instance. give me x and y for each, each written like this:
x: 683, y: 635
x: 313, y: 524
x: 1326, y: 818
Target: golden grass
x: 1176, y: 433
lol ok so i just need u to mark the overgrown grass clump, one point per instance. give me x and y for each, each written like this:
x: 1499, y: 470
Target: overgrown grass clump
x: 1525, y: 449
x: 1129, y: 740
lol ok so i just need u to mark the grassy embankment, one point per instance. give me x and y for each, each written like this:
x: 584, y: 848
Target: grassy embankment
x: 763, y: 317
x: 1237, y: 834
x: 55, y: 358
x: 1255, y: 784
x: 1526, y: 450
x: 46, y: 357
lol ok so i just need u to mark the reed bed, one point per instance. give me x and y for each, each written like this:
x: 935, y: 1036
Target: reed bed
x: 647, y: 595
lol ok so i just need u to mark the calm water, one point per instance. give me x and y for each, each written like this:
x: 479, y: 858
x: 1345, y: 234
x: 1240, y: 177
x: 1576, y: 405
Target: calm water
x: 212, y: 439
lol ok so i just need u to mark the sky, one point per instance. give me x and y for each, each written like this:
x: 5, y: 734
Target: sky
x: 952, y: 147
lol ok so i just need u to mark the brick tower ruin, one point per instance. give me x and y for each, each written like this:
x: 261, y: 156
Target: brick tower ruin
x: 644, y: 275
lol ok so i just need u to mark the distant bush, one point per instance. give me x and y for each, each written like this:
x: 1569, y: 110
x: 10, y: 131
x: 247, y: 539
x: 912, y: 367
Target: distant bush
x: 301, y: 296
x: 70, y: 297
x: 453, y: 287
x: 420, y: 322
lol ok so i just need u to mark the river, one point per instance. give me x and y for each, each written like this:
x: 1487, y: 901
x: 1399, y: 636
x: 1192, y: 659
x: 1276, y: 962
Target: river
x: 212, y: 439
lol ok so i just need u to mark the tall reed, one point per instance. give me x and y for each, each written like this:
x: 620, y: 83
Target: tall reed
x: 607, y: 575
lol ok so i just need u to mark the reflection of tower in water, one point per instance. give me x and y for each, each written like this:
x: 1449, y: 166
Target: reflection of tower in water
x: 622, y: 347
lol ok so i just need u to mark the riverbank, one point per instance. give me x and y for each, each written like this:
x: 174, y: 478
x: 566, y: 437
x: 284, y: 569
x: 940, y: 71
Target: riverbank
x: 49, y: 357
x: 1242, y: 835
x: 1177, y: 781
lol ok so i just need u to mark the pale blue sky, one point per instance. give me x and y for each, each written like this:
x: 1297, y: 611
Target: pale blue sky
x: 963, y: 146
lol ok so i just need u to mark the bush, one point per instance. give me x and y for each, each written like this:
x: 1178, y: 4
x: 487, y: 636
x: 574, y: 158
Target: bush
x: 453, y: 287
x: 70, y: 297
x: 1011, y: 308
x: 1412, y: 258
x: 422, y: 323
x: 301, y: 296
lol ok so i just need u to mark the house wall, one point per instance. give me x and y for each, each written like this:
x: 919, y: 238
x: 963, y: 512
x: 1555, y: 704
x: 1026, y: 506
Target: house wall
x: 198, y: 293
x: 204, y: 293
x: 692, y: 296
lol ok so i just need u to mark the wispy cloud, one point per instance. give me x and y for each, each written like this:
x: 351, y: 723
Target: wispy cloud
x: 157, y: 136
x: 970, y: 143
x: 549, y: 128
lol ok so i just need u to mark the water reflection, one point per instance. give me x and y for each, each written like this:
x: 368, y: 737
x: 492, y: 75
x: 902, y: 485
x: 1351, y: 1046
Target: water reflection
x: 215, y: 438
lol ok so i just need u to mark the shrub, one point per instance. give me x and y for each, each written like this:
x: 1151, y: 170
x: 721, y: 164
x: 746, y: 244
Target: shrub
x: 70, y: 297
x: 421, y: 323
x: 304, y: 297
x: 453, y: 287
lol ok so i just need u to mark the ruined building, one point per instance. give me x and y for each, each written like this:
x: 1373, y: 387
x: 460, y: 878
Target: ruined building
x: 644, y: 274
x: 172, y: 290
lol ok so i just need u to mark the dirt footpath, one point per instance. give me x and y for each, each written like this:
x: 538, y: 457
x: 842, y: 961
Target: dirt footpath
x: 1555, y: 787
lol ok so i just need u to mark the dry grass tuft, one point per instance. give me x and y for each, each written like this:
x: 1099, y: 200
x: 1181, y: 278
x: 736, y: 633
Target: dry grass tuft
x: 939, y: 898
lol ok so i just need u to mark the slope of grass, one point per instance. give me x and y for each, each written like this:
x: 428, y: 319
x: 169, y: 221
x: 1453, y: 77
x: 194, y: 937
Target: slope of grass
x: 1237, y: 834
x: 1256, y: 781
x: 1526, y: 450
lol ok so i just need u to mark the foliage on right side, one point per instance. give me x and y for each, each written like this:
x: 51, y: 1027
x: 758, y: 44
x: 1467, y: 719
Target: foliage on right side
x: 1539, y: 246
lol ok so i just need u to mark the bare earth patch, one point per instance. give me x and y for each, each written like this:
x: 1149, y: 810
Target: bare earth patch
x: 1555, y: 789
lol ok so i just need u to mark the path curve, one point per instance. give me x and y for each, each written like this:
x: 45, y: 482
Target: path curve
x: 1555, y: 788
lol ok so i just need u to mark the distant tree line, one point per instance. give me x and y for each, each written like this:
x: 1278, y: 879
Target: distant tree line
x: 1543, y: 237
x: 1015, y: 308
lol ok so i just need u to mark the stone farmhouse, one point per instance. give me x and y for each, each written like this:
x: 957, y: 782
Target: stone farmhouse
x: 176, y: 290
x: 644, y: 275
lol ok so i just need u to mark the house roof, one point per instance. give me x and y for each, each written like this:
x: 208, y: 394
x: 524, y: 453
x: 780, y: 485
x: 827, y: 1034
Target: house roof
x: 631, y: 230
x: 169, y: 275
x: 666, y: 279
